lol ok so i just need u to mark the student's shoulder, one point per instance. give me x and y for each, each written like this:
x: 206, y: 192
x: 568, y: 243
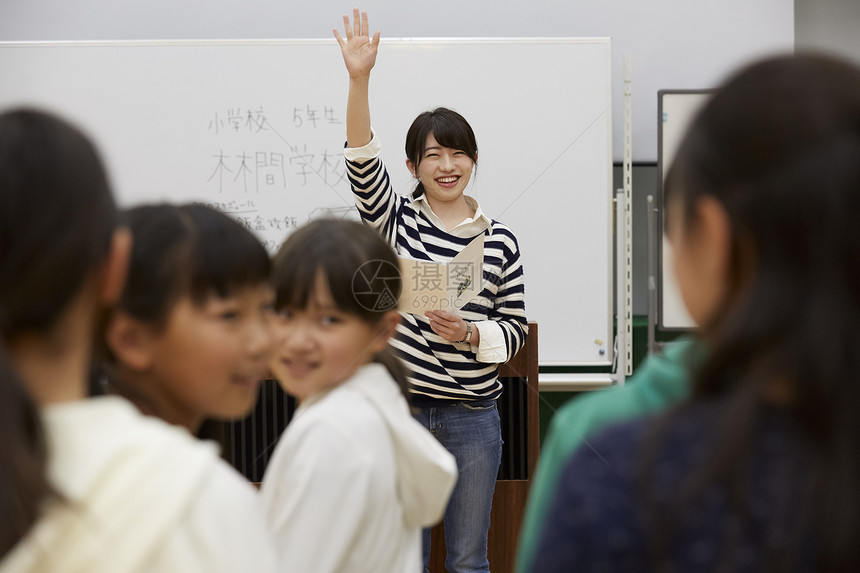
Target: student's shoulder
x: 225, y: 481
x: 661, y: 380
x: 226, y: 516
x: 673, y: 439
x: 172, y: 448
x: 319, y: 454
x: 341, y: 420
x: 119, y: 440
x: 502, y: 231
x: 111, y: 427
x: 582, y: 416
x: 502, y: 236
x: 138, y: 475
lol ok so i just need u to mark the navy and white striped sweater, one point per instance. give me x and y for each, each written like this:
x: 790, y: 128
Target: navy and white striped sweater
x: 442, y: 370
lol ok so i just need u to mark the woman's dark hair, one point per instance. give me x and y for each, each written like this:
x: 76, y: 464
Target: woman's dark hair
x: 778, y: 146
x: 448, y: 127
x: 361, y: 269
x: 57, y: 217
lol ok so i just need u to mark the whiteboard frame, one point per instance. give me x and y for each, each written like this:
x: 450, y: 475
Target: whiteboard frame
x: 672, y: 316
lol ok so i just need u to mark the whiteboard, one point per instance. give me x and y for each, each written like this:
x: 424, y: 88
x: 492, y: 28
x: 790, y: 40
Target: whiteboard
x: 676, y: 110
x: 256, y: 128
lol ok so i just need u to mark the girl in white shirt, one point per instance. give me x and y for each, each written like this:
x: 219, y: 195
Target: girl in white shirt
x: 354, y: 477
x: 90, y: 485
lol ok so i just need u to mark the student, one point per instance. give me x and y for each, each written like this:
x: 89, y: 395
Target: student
x: 354, y: 477
x: 190, y: 337
x: 661, y: 381
x: 758, y: 469
x: 89, y: 485
x: 453, y: 356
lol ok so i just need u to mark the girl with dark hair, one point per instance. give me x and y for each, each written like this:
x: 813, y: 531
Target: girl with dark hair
x: 758, y: 469
x: 354, y: 477
x: 453, y: 356
x: 190, y: 337
x: 89, y: 485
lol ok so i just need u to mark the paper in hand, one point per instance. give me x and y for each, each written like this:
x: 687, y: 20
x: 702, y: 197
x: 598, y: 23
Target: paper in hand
x: 428, y: 285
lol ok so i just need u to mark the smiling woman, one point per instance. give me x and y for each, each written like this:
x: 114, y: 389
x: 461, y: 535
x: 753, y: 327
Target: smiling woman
x: 442, y: 163
x: 445, y: 139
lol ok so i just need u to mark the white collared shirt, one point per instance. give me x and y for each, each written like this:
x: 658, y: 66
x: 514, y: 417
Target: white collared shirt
x: 468, y: 227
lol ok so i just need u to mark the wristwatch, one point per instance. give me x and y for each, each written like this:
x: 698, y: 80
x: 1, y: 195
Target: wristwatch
x: 468, y: 332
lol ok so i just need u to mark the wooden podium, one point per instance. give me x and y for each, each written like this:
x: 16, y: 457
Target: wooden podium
x: 520, y: 419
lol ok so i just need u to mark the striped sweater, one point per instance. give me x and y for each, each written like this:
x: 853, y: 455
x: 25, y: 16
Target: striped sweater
x: 443, y: 370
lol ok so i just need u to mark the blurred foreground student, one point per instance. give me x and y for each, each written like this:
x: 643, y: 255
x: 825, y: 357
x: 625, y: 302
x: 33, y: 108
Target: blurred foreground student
x: 89, y: 485
x: 354, y: 478
x: 190, y: 337
x: 758, y: 470
x: 661, y: 381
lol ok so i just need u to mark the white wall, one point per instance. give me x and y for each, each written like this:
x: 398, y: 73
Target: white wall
x: 830, y: 25
x: 672, y: 43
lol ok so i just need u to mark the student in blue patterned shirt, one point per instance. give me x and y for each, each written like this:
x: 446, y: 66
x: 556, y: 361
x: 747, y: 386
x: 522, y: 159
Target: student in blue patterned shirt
x: 453, y: 356
x: 758, y: 469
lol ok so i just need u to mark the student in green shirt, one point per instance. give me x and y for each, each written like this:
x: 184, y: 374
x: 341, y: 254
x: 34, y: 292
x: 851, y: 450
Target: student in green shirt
x: 661, y: 381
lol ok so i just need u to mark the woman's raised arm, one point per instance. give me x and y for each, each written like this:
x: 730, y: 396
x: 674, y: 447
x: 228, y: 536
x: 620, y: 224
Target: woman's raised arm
x: 359, y: 55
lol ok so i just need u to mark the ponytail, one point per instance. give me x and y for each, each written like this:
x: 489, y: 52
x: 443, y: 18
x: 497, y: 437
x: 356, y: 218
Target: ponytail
x: 396, y: 369
x: 24, y: 484
x: 418, y: 191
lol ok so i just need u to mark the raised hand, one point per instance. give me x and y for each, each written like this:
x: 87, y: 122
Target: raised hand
x: 358, y: 49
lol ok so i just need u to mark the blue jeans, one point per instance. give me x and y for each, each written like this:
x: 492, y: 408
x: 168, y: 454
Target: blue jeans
x: 471, y: 432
